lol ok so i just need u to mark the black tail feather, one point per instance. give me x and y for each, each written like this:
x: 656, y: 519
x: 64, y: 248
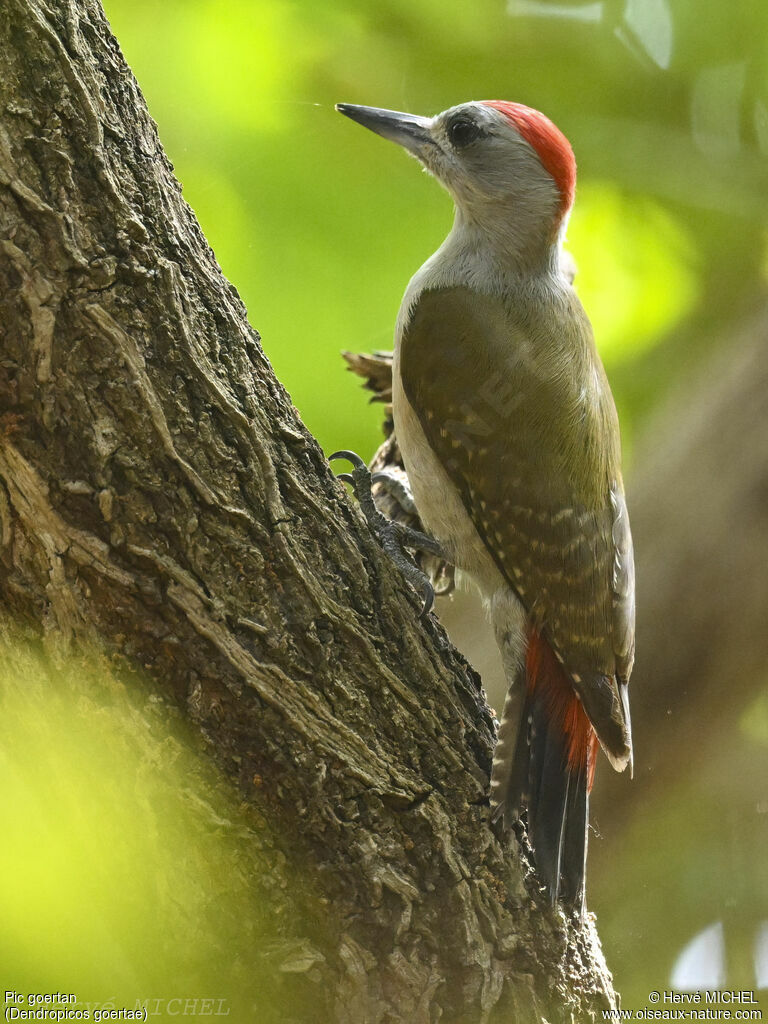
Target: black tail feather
x: 573, y: 865
x: 547, y: 798
x: 554, y: 797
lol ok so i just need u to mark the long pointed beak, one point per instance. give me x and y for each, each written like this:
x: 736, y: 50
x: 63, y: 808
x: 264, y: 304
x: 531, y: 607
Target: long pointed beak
x: 407, y: 130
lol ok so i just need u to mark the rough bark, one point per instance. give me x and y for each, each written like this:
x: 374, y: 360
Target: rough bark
x: 160, y: 499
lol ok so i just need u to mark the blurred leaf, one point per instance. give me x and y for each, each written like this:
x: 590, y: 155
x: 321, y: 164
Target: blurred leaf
x: 320, y: 226
x: 128, y: 870
x: 638, y: 279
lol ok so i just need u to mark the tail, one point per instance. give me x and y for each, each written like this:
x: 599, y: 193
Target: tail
x: 546, y: 767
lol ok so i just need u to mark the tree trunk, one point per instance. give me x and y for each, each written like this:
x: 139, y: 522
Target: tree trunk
x: 159, y: 498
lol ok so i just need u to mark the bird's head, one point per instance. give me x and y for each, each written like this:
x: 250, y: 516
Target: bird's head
x: 503, y: 163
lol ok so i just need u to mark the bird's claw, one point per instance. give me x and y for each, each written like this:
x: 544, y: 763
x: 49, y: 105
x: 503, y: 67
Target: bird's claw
x: 428, y: 597
x: 398, y: 488
x: 352, y: 457
x: 391, y: 535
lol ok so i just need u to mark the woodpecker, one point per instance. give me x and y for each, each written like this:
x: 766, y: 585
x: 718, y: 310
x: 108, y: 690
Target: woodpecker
x: 510, y: 439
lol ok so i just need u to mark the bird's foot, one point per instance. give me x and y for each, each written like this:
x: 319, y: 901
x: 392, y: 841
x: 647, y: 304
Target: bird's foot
x: 394, y: 498
x: 393, y: 537
x: 396, y: 486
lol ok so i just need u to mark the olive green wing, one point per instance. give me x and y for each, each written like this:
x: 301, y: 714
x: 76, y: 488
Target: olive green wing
x: 514, y: 439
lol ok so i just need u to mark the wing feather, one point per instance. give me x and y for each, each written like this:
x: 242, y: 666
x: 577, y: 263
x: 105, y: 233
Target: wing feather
x: 521, y: 417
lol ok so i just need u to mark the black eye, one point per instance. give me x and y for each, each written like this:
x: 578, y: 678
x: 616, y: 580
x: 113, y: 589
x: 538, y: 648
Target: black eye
x: 462, y: 131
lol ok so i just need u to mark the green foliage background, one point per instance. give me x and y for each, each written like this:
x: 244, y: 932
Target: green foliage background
x: 319, y: 225
x: 130, y: 875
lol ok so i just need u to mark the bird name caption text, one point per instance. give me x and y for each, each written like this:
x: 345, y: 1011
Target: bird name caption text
x: 65, y: 1006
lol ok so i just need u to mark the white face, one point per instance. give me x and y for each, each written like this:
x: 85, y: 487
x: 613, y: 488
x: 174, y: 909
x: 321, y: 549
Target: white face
x: 482, y: 160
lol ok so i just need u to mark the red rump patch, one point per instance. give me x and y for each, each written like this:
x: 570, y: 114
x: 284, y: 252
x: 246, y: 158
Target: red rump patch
x: 545, y: 674
x: 552, y: 147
